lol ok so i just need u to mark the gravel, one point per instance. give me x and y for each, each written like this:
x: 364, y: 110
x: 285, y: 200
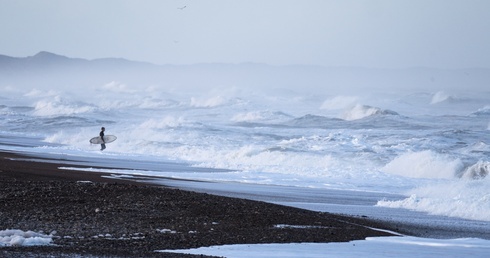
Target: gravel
x: 92, y: 216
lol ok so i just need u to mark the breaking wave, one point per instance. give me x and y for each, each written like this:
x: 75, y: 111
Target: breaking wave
x: 166, y: 122
x: 212, y: 102
x: 313, y: 121
x: 261, y: 116
x: 424, y: 164
x: 117, y: 87
x: 479, y: 170
x: 440, y: 97
x: 339, y: 102
x: 483, y: 112
x: 59, y: 107
x: 362, y: 111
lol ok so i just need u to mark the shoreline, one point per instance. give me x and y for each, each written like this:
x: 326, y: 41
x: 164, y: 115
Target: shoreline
x: 108, y: 217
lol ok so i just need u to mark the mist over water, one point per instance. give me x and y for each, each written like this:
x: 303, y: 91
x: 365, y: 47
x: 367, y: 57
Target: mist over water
x: 321, y: 130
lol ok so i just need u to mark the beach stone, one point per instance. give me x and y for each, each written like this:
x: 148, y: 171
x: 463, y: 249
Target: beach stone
x: 110, y: 218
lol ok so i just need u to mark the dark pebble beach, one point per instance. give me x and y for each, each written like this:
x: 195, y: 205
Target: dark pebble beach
x: 92, y: 216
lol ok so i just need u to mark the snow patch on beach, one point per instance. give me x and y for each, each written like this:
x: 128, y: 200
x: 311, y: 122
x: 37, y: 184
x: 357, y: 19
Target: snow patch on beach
x: 371, y: 247
x: 15, y: 237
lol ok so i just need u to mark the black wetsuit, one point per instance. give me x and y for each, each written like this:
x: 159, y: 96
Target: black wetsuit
x: 102, y: 146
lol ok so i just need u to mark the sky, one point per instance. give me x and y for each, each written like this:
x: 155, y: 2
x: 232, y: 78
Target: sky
x: 360, y: 33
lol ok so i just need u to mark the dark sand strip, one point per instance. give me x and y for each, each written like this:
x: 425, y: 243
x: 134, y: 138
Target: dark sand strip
x: 121, y: 218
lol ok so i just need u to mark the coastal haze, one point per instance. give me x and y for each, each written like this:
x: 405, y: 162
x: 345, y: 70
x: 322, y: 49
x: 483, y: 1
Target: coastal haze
x: 375, y: 34
x: 265, y: 133
x: 354, y: 107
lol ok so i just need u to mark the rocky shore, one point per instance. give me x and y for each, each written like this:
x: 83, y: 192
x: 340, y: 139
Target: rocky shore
x: 91, y: 216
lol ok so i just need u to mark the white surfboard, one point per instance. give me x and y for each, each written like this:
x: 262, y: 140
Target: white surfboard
x: 107, y: 139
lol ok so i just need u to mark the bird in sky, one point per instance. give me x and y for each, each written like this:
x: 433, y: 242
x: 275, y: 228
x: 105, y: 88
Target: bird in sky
x: 182, y: 8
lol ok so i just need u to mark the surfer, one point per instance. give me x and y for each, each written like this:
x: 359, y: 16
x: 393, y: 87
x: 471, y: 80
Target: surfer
x: 102, y: 139
x: 101, y: 134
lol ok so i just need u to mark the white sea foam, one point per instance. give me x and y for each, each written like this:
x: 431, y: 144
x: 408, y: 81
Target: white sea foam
x: 479, y: 170
x: 41, y: 93
x: 340, y: 102
x: 157, y: 103
x: 279, y: 134
x: 467, y: 199
x: 208, y: 102
x: 117, y: 87
x: 58, y: 106
x: 439, y: 97
x: 279, y: 137
x: 166, y: 122
x: 424, y: 164
x: 249, y: 117
x: 261, y: 116
x: 485, y: 111
x: 362, y: 111
x: 15, y: 237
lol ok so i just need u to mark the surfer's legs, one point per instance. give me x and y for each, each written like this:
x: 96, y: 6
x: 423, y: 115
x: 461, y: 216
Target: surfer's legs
x: 102, y: 146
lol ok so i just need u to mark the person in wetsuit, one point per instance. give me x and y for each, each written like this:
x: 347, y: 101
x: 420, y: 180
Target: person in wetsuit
x: 101, y: 134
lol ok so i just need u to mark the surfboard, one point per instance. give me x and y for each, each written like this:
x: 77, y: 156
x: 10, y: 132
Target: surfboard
x: 107, y: 139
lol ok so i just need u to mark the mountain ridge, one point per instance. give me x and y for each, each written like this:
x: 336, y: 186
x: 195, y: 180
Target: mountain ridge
x: 53, y: 69
x: 50, y: 56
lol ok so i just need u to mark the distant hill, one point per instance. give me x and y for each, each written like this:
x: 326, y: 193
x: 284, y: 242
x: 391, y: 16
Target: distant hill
x: 45, y: 70
x: 43, y: 59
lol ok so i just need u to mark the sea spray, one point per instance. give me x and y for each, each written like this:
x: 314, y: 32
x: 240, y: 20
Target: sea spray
x: 480, y: 170
x: 468, y: 199
x: 424, y: 164
x: 280, y: 137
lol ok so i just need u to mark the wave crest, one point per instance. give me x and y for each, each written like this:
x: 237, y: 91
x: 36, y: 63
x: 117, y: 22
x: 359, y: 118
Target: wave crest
x: 440, y: 97
x: 208, y: 102
x: 363, y: 111
x: 59, y: 107
x: 424, y: 164
x: 484, y: 112
x: 259, y: 116
x: 166, y: 122
x: 339, y: 102
x: 117, y: 87
x: 479, y: 170
x: 313, y: 121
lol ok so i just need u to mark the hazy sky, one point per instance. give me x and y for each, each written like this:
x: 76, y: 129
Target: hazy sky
x: 369, y: 33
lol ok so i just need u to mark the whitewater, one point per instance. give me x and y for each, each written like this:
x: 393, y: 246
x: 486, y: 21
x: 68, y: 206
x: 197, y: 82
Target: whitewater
x: 424, y: 151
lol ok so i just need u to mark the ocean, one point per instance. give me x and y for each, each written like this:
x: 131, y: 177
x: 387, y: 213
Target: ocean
x: 426, y: 149
x: 432, y: 147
